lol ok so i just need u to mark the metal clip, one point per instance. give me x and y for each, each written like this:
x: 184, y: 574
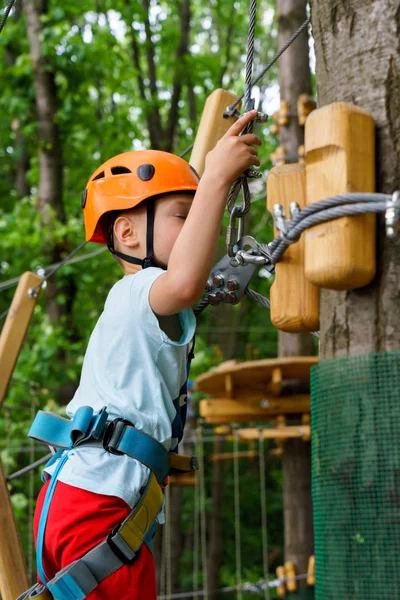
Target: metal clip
x: 232, y: 111
x: 247, y: 258
x: 294, y: 210
x: 233, y: 233
x: 280, y: 220
x: 261, y: 118
x: 392, y: 214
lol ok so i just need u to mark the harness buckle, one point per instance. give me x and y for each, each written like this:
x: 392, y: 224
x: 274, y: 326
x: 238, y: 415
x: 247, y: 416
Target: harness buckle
x: 113, y: 434
x: 127, y: 560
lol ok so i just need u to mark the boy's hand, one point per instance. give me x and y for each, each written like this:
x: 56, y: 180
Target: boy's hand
x: 233, y: 154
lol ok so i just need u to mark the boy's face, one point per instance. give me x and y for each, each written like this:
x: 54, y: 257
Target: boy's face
x: 170, y: 215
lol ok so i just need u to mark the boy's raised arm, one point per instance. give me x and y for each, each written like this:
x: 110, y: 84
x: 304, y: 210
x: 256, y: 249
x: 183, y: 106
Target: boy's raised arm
x: 193, y: 253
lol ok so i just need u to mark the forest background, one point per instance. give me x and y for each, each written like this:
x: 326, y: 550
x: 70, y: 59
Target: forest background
x: 125, y: 75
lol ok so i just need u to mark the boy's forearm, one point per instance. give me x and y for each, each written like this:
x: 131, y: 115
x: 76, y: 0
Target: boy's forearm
x: 194, y: 250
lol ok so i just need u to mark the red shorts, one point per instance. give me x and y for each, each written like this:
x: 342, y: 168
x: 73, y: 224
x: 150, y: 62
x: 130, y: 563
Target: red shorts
x: 79, y: 520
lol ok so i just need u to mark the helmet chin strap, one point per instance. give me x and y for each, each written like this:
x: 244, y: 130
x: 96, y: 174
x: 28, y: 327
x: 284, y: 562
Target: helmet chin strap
x: 149, y: 260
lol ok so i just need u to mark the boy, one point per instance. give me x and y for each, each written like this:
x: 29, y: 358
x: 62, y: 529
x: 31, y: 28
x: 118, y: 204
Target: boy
x: 162, y: 225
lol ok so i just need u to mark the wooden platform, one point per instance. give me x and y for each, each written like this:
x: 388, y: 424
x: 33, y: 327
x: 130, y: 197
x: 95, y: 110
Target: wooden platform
x: 253, y: 391
x: 235, y: 379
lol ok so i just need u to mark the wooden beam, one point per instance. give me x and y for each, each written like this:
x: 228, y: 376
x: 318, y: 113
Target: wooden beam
x: 213, y: 125
x: 275, y: 433
x: 182, y: 479
x: 15, y: 327
x: 13, y: 575
x: 228, y: 410
x: 231, y: 455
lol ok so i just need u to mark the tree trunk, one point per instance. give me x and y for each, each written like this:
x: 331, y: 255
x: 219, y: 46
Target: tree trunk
x: 294, y: 80
x: 357, y: 60
x: 50, y: 149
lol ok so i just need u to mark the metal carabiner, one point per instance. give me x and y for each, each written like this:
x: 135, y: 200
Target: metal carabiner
x: 232, y: 231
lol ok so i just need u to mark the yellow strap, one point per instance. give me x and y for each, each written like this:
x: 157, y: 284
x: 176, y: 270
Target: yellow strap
x: 180, y: 462
x: 137, y: 526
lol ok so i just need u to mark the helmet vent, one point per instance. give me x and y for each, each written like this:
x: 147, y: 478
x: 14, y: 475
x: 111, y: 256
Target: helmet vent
x: 98, y: 176
x: 120, y: 170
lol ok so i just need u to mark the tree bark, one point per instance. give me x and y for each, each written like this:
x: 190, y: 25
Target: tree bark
x: 294, y: 80
x: 358, y: 60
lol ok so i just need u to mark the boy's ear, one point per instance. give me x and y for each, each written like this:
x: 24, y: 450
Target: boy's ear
x: 125, y: 231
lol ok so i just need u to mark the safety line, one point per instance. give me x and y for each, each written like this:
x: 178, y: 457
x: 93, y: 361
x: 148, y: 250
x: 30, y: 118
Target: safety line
x: 6, y: 13
x: 58, y: 266
x: 273, y: 61
x: 9, y: 283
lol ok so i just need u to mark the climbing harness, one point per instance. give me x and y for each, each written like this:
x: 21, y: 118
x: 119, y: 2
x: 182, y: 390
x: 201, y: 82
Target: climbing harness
x: 117, y: 436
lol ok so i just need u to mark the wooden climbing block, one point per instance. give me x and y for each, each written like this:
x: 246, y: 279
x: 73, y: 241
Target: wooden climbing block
x: 13, y: 575
x: 305, y: 105
x: 290, y: 574
x: 213, y: 125
x: 311, y: 571
x: 15, y: 327
x: 294, y: 300
x: 182, y: 479
x: 340, y: 157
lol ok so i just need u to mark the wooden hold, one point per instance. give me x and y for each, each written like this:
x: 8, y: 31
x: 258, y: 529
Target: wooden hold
x: 294, y: 300
x: 15, y: 327
x: 283, y: 116
x: 340, y: 157
x: 13, y: 575
x: 290, y: 574
x: 311, y: 571
x: 305, y: 105
x: 281, y: 589
x: 228, y: 411
x: 302, y: 154
x: 274, y: 130
x: 279, y: 155
x: 213, y: 125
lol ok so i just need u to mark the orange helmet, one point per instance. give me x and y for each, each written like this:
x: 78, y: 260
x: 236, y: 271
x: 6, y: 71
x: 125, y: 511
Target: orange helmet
x: 126, y: 180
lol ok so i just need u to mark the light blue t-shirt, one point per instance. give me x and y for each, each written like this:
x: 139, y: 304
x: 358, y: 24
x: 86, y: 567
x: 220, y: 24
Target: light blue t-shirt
x: 134, y: 369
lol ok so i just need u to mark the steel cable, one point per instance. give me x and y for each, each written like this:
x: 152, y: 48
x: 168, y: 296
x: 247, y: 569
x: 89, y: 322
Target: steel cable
x: 6, y: 13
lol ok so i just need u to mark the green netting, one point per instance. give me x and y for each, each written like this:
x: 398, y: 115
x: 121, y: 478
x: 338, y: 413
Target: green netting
x: 356, y: 477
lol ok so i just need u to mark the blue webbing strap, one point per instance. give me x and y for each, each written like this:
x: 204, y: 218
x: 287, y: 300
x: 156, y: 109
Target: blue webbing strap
x: 148, y: 451
x: 43, y: 518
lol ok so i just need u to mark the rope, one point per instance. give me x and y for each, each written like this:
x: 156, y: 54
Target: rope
x: 168, y: 558
x: 59, y: 265
x: 196, y: 532
x: 237, y: 515
x: 5, y: 285
x: 263, y: 499
x: 273, y: 61
x: 30, y: 467
x: 188, y: 149
x: 6, y: 13
x: 203, y: 522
